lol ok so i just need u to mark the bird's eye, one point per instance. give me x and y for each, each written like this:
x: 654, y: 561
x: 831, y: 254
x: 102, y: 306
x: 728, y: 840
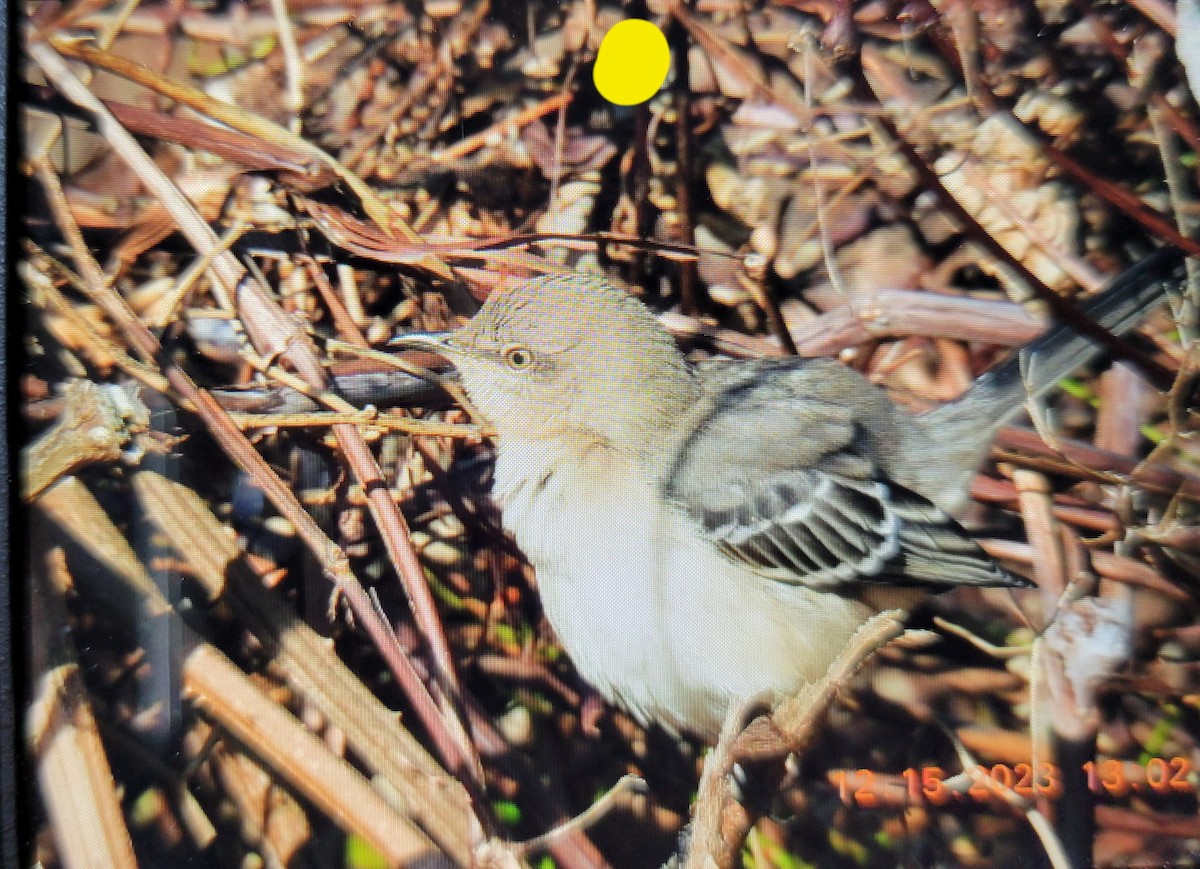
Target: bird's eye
x: 518, y: 358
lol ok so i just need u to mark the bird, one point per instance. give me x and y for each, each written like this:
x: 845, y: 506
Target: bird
x: 706, y: 533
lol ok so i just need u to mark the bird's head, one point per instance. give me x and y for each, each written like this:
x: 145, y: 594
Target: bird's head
x: 568, y: 355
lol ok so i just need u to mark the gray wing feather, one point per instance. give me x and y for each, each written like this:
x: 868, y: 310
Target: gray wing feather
x: 791, y: 485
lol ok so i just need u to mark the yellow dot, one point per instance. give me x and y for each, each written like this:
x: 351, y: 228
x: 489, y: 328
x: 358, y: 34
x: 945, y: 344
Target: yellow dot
x: 632, y: 62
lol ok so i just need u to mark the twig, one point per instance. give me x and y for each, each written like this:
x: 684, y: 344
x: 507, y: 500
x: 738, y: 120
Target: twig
x: 522, y: 118
x: 293, y: 68
x: 89, y: 430
x: 1187, y: 304
x: 1049, y: 563
x: 1109, y: 566
x: 1041, y: 826
x: 684, y: 179
x: 369, y: 418
x: 331, y: 783
x: 76, y: 782
x: 626, y: 784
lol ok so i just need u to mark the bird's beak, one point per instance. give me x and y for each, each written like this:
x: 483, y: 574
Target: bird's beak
x: 434, y: 342
x: 430, y: 342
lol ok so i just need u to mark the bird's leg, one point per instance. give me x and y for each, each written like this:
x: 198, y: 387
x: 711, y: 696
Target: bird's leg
x: 792, y: 724
x: 718, y: 815
x: 720, y: 823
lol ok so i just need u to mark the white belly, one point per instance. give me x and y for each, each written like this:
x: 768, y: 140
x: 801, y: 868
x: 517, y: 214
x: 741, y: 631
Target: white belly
x: 652, y: 615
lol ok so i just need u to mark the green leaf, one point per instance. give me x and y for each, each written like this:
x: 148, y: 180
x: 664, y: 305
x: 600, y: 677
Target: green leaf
x: 507, y: 812
x: 361, y: 854
x: 1153, y: 433
x: 1163, y: 728
x: 1078, y: 389
x: 146, y: 808
x: 847, y: 847
x: 443, y: 592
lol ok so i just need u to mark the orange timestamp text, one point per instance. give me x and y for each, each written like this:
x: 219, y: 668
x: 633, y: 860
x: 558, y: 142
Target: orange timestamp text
x: 933, y: 786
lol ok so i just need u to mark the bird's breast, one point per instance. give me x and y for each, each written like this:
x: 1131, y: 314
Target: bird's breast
x: 652, y: 614
x: 589, y: 523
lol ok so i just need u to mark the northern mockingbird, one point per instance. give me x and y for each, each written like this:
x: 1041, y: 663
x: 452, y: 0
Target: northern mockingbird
x: 704, y: 534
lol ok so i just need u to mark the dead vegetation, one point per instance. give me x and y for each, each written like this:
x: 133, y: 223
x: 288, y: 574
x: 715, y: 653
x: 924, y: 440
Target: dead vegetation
x: 272, y: 618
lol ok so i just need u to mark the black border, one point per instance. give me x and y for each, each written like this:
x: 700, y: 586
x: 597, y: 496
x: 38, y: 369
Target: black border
x: 9, y: 758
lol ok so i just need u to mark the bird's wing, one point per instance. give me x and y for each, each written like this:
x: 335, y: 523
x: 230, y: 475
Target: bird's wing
x: 782, y: 475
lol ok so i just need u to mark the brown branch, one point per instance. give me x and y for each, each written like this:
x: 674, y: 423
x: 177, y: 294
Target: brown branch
x: 721, y: 823
x: 76, y: 784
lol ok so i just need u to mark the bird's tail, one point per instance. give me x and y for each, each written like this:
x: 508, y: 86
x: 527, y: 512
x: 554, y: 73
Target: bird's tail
x: 970, y: 423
